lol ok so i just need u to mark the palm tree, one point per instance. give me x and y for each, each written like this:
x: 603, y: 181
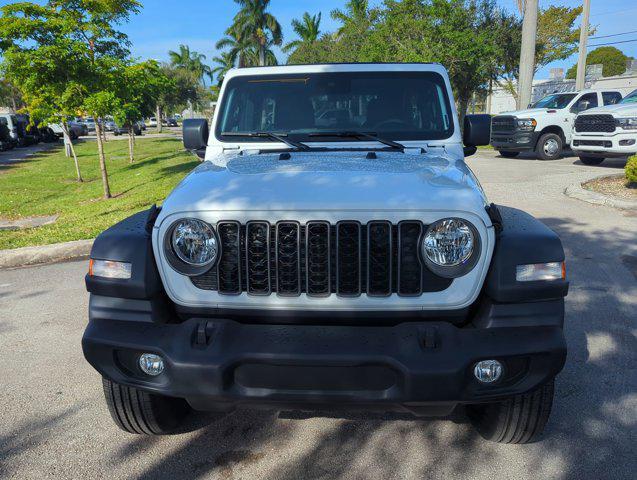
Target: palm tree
x: 356, y: 13
x: 224, y: 63
x: 190, y: 61
x: 308, y: 30
x: 255, y: 22
x: 238, y: 44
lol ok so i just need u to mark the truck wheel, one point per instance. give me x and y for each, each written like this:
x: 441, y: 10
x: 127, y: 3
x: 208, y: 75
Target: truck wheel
x: 508, y: 154
x: 136, y: 411
x: 549, y: 146
x: 591, y: 160
x: 519, y: 419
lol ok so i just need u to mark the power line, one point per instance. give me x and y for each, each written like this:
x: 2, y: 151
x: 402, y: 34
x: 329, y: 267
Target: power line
x: 614, y: 35
x: 614, y: 12
x: 612, y: 43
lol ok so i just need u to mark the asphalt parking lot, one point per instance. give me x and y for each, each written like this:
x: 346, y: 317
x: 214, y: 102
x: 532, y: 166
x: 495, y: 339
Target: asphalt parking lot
x: 54, y: 423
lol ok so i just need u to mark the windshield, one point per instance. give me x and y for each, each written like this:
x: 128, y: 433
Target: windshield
x: 630, y: 98
x: 393, y: 105
x: 558, y: 100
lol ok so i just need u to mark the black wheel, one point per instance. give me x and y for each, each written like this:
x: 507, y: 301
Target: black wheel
x: 549, y: 147
x: 591, y: 160
x: 73, y: 135
x: 520, y: 419
x: 136, y: 411
x: 508, y: 154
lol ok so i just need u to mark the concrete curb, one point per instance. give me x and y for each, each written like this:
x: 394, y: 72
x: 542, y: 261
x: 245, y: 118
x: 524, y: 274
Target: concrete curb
x: 21, y: 257
x: 577, y: 191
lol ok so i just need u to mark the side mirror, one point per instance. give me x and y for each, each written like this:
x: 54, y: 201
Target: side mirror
x: 477, y: 132
x: 195, y: 132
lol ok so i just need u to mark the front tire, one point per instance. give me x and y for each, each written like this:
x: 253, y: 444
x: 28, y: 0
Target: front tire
x: 549, y: 147
x: 519, y: 419
x: 136, y: 411
x: 591, y: 160
x: 508, y: 154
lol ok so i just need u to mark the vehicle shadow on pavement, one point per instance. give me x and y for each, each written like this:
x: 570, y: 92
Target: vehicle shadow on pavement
x: 591, y: 433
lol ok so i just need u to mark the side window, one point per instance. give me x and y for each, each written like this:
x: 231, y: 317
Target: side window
x: 611, y: 98
x: 585, y: 102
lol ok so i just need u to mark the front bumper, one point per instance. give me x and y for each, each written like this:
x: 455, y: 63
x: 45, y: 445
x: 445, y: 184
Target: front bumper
x: 421, y: 367
x: 514, y: 141
x: 619, y: 144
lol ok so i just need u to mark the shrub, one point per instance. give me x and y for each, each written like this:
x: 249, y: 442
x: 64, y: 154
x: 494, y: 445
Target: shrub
x: 631, y: 171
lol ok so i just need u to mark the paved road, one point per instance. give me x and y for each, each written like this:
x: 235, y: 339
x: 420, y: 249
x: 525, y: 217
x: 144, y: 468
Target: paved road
x: 53, y: 422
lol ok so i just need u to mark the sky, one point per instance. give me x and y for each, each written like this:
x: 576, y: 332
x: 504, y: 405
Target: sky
x: 164, y: 24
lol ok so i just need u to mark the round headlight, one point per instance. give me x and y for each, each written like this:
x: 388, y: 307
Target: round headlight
x: 194, y: 242
x: 450, y: 247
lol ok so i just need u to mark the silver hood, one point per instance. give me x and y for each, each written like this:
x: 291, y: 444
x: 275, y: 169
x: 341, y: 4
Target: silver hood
x: 333, y: 181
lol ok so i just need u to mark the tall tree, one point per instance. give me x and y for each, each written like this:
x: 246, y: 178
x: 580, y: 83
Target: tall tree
x: 255, y: 22
x: 239, y: 46
x: 357, y: 14
x: 225, y: 62
x: 191, y: 61
x: 63, y: 52
x: 308, y: 30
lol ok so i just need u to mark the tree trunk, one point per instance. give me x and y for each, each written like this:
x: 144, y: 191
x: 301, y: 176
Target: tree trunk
x: 103, y: 132
x: 67, y: 138
x: 131, y: 144
x: 158, y: 119
x: 100, y: 151
x: 463, y: 105
x: 262, y: 55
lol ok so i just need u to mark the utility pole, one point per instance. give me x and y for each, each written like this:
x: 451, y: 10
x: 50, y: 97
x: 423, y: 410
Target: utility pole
x: 527, y: 53
x: 583, y: 39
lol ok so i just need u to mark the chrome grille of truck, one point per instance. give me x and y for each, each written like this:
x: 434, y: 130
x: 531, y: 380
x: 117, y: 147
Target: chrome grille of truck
x: 347, y: 259
x: 595, y: 123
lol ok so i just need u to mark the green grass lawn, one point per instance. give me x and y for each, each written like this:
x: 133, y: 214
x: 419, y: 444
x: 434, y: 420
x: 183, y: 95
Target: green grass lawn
x: 45, y: 185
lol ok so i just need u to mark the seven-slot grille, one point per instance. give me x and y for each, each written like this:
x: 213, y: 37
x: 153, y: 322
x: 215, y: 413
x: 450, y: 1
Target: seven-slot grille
x: 348, y: 259
x: 504, y: 124
x: 595, y: 123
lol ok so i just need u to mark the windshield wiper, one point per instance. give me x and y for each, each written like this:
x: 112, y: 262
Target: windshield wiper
x: 269, y: 135
x: 367, y: 135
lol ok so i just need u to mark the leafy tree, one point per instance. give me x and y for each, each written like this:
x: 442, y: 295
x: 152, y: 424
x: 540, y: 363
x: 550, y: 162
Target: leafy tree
x: 253, y: 21
x: 63, y: 52
x: 613, y: 61
x: 191, y: 61
x: 99, y: 105
x: 10, y: 95
x: 308, y: 30
x: 557, y: 37
x: 357, y: 15
x: 180, y: 89
x: 139, y: 87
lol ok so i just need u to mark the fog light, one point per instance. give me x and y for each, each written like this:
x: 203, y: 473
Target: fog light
x: 627, y: 143
x: 488, y: 371
x: 151, y: 364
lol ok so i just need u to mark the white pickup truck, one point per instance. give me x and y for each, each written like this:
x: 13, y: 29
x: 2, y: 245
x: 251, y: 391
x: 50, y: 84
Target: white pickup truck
x: 546, y: 127
x: 609, y: 131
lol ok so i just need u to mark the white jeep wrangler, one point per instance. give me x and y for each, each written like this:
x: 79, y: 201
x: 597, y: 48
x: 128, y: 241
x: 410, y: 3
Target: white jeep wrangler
x: 604, y: 132
x: 546, y: 127
x: 343, y: 261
